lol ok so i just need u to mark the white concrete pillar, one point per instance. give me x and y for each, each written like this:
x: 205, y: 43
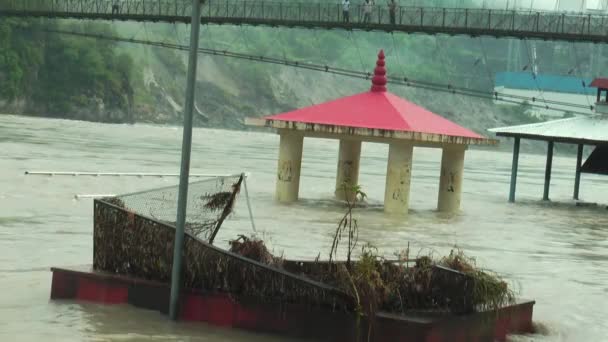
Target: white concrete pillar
x: 348, y: 168
x: 450, y: 181
x: 398, y: 175
x: 290, y: 162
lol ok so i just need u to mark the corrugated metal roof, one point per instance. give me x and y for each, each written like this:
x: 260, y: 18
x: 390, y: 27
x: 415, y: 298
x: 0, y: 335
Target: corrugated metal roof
x: 587, y: 129
x: 554, y: 83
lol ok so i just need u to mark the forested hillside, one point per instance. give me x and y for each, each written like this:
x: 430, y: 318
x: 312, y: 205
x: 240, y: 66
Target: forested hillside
x: 64, y: 76
x: 55, y: 75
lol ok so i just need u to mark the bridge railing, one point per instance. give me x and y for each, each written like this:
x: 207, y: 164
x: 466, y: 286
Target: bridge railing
x: 288, y: 13
x: 117, y: 9
x: 485, y: 21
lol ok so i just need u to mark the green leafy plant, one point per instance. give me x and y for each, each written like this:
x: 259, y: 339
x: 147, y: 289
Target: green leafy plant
x: 347, y: 224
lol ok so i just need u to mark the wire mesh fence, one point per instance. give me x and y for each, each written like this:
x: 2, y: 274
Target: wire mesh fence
x: 134, y: 236
x: 210, y: 201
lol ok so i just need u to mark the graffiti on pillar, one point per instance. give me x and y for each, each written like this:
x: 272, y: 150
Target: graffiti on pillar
x: 404, y: 175
x: 451, y: 181
x: 399, y: 193
x: 285, y: 171
x: 347, y: 170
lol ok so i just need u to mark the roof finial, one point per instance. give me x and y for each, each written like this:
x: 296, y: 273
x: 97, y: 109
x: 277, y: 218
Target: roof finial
x: 379, y: 79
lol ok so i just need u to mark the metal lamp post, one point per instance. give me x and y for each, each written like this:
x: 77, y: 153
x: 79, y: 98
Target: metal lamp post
x: 182, y: 200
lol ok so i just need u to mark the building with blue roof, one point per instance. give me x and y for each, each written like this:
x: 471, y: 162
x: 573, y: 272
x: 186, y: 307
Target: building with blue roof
x: 550, y: 83
x: 546, y: 87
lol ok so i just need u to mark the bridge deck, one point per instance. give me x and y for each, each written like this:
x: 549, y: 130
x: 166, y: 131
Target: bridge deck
x: 453, y: 21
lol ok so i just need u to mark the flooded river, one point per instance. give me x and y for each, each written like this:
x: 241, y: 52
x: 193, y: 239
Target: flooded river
x: 555, y: 253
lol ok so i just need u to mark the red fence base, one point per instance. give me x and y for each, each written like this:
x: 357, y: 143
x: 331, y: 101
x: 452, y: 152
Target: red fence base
x: 289, y: 319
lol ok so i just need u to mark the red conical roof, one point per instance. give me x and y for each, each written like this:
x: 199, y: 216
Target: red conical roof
x: 376, y: 109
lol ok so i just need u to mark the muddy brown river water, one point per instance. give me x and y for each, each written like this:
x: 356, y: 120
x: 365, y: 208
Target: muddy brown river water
x: 555, y: 252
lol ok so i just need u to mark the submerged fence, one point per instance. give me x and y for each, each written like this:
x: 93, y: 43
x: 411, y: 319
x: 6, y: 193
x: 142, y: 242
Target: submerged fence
x: 207, y: 200
x: 134, y: 236
x: 448, y: 20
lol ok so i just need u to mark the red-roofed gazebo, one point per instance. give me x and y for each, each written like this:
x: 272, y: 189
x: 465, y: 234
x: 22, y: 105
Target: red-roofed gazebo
x: 374, y: 116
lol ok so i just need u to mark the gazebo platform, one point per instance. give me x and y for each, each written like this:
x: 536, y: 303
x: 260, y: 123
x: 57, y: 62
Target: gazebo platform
x: 84, y: 284
x: 373, y: 116
x: 581, y: 131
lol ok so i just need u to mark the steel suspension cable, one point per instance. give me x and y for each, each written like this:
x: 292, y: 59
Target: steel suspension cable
x: 508, y: 98
x: 580, y: 74
x: 532, y: 66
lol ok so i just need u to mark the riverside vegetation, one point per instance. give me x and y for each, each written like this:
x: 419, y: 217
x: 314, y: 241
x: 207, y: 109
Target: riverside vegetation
x: 453, y: 283
x: 131, y: 244
x: 63, y: 76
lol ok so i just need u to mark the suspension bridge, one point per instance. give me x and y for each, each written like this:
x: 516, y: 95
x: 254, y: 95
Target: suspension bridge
x: 524, y: 24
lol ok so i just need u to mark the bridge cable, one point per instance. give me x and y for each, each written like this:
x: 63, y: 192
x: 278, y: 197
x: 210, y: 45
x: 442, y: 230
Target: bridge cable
x: 279, y: 39
x: 282, y: 44
x: 358, y: 51
x: 398, y: 54
x: 176, y: 34
x: 164, y: 34
x: 208, y: 34
x: 557, y: 81
x: 443, y: 61
x: 399, y: 63
x: 418, y: 84
x: 310, y: 66
x: 146, y: 51
x: 488, y: 72
x: 137, y: 32
x: 508, y: 98
x: 532, y: 65
x: 577, y: 68
x: 245, y: 41
x: 487, y: 69
x: 232, y: 42
x: 325, y: 58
